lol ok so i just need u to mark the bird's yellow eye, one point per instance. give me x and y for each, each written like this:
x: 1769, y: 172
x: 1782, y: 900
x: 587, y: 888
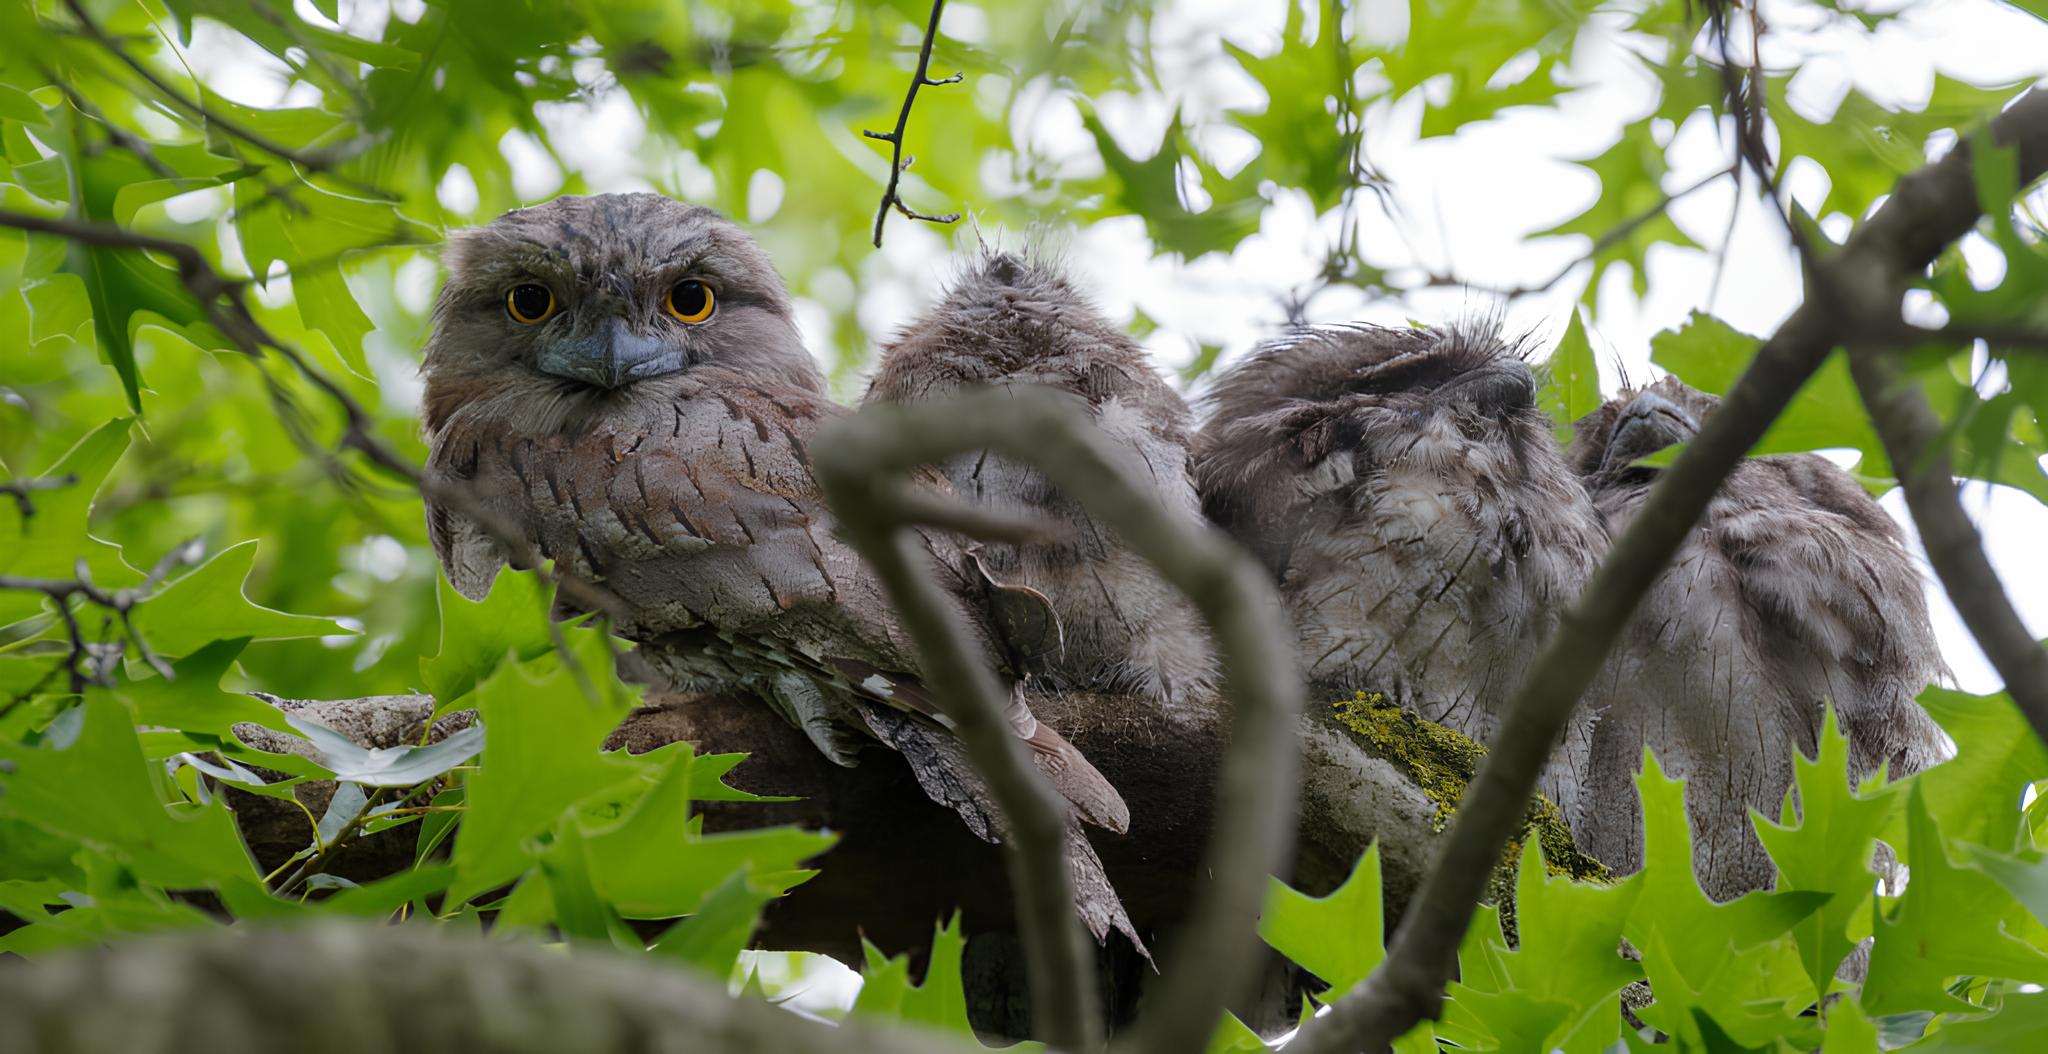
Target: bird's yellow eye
x: 530, y: 304
x: 690, y: 301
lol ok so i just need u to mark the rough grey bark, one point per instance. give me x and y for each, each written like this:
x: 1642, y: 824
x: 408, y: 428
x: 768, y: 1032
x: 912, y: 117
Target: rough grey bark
x: 357, y: 987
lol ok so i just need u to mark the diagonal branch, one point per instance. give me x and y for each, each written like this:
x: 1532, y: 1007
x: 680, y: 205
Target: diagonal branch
x: 1912, y: 439
x: 1865, y: 280
x: 227, y: 309
x: 897, y: 162
x: 323, y: 160
x: 1210, y: 961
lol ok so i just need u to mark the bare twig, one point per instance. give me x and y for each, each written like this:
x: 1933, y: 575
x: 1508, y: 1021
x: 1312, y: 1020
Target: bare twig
x: 119, y: 604
x: 20, y: 489
x: 897, y: 162
x: 1210, y: 962
x: 1912, y: 437
x: 1929, y: 209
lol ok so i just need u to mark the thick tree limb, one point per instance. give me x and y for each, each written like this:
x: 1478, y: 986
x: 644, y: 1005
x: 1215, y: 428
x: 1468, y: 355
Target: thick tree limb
x: 1209, y: 962
x: 368, y: 987
x: 1912, y: 439
x: 903, y: 863
x: 1862, y: 282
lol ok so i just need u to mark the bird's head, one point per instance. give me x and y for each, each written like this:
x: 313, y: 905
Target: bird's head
x: 1608, y: 442
x: 588, y: 299
x: 1331, y: 407
x: 1378, y: 391
x: 1011, y: 317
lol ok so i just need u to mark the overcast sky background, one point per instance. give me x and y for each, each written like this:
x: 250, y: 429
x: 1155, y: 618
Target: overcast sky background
x: 1466, y: 202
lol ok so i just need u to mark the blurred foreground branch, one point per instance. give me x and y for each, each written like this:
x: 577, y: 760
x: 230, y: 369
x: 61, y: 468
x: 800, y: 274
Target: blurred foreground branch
x: 1210, y: 962
x: 372, y: 987
x: 1861, y: 286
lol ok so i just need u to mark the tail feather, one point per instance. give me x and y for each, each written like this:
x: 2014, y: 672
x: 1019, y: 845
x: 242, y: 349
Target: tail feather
x: 939, y: 761
x: 1094, y: 798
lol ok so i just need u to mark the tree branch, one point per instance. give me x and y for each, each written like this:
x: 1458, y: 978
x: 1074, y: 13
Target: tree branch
x: 364, y: 984
x: 1929, y: 209
x: 119, y: 603
x: 1061, y: 965
x: 318, y: 161
x: 1210, y: 960
x: 898, y: 164
x: 1912, y: 437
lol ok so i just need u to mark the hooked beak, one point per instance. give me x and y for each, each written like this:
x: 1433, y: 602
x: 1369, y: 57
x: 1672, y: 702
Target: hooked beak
x: 1648, y: 424
x: 612, y: 358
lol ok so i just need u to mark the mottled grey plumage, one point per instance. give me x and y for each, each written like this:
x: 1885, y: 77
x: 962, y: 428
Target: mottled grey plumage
x: 667, y: 460
x: 1011, y: 322
x: 1795, y: 589
x: 1407, y: 493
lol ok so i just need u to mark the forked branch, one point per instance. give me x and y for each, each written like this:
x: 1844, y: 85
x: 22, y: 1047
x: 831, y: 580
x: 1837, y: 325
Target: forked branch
x: 1912, y: 439
x: 86, y: 662
x: 898, y: 163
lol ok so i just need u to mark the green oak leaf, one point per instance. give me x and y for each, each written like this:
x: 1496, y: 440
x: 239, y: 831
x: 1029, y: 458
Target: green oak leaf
x: 478, y: 635
x: 1974, y: 796
x: 657, y: 863
x: 1734, y: 965
x: 98, y: 790
x: 1953, y: 920
x: 208, y: 604
x: 940, y: 1002
x: 1710, y: 355
x: 542, y: 755
x: 1571, y: 380
x: 1828, y: 850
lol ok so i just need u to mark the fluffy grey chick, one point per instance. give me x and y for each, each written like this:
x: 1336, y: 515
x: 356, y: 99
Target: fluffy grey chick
x: 1794, y: 590
x: 1012, y: 321
x: 1407, y: 494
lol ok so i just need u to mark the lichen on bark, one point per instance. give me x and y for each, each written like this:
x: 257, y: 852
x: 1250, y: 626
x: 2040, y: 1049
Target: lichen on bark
x: 1442, y: 762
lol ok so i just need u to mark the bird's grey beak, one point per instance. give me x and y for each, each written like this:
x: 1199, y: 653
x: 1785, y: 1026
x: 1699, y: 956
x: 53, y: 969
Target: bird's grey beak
x: 611, y: 358
x: 1498, y: 387
x: 1649, y: 423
